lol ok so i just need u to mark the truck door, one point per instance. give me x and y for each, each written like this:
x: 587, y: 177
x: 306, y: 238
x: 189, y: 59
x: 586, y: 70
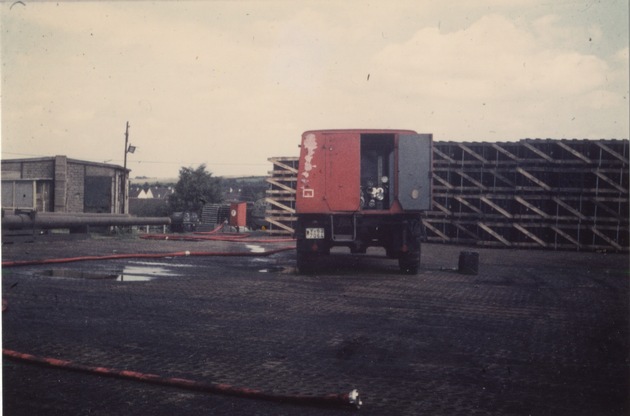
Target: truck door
x: 415, y: 156
x: 343, y: 192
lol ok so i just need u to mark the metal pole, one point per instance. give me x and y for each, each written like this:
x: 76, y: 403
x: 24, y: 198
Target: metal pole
x: 124, y: 190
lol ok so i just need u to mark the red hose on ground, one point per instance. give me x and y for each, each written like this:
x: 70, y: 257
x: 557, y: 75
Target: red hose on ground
x: 216, y: 230
x: 144, y: 256
x: 350, y: 399
x: 230, y: 235
x: 231, y: 238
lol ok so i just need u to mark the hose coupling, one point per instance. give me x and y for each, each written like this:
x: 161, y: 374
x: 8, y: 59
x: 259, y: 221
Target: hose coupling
x: 354, y: 399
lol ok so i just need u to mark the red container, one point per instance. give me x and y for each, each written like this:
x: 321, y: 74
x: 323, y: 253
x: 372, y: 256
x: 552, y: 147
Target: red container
x: 344, y: 170
x: 238, y: 214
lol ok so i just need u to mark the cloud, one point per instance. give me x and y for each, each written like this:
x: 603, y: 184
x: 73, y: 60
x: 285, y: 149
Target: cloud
x: 497, y: 74
x: 493, y: 58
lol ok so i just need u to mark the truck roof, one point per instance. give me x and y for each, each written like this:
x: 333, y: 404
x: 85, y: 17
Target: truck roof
x: 367, y: 131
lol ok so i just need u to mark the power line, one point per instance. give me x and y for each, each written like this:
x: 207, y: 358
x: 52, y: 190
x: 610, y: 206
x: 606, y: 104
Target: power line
x: 198, y: 163
x: 156, y: 161
x: 22, y: 154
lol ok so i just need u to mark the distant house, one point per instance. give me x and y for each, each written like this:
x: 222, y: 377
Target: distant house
x: 150, y: 191
x: 145, y: 194
x: 149, y: 200
x: 60, y: 184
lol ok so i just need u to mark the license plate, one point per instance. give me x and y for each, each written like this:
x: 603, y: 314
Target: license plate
x: 314, y: 233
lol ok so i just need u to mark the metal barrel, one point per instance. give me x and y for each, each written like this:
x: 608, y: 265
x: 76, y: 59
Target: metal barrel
x: 468, y: 262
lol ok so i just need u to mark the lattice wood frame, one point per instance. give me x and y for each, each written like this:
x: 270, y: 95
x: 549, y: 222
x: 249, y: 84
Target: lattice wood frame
x: 547, y: 194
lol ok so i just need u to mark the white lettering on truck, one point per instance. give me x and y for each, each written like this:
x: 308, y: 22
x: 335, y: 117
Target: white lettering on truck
x: 310, y: 144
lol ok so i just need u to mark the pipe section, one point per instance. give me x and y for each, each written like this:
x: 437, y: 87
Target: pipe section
x: 67, y: 220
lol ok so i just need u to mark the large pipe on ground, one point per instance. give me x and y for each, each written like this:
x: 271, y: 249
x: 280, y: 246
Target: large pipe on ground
x: 48, y: 220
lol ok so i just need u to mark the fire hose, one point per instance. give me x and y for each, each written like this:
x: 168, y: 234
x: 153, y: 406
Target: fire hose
x: 214, y: 237
x: 351, y: 399
x: 348, y: 399
x: 144, y: 256
x: 215, y: 230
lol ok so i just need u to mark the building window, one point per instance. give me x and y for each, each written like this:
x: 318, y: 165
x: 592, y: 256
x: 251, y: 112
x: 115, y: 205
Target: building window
x: 98, y: 194
x: 27, y: 194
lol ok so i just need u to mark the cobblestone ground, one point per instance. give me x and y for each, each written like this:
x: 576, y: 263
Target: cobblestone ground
x: 534, y: 333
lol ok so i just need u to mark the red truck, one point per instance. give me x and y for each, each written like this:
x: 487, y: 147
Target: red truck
x: 362, y: 188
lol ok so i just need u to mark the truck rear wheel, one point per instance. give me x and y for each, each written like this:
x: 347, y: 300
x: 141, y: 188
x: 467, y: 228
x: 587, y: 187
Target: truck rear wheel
x: 306, y: 262
x: 409, y: 263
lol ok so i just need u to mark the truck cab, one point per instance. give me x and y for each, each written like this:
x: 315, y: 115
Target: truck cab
x: 362, y: 188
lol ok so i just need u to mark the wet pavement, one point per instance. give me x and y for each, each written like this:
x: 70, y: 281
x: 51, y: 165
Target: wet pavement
x: 534, y: 332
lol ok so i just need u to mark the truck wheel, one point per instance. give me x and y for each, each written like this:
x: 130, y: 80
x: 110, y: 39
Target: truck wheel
x: 409, y: 263
x: 305, y: 262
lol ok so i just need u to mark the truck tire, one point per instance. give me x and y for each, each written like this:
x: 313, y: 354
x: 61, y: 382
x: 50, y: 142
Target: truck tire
x: 305, y: 262
x: 409, y: 263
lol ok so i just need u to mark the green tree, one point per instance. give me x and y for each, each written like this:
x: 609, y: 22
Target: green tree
x: 194, y: 188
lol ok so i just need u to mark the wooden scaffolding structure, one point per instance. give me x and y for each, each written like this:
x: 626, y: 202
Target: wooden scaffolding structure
x: 548, y: 194
x: 551, y: 194
x: 280, y: 212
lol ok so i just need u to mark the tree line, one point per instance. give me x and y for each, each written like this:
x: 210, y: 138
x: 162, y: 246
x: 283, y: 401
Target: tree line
x: 196, y: 187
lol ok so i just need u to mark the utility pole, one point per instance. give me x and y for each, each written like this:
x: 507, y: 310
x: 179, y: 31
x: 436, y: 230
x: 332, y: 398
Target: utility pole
x: 124, y: 190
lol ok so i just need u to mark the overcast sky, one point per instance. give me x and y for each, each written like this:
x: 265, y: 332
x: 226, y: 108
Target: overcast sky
x: 232, y: 83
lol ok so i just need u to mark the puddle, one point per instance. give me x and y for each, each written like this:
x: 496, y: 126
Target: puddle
x: 146, y: 271
x: 133, y: 278
x: 273, y: 269
x: 79, y: 274
x: 255, y: 248
x: 153, y: 264
x: 143, y: 272
x: 260, y: 260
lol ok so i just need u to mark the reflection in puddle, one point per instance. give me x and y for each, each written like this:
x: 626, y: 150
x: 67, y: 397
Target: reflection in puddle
x: 140, y: 272
x: 133, y: 278
x: 255, y: 248
x: 146, y: 271
x: 153, y: 264
x: 260, y: 260
x: 79, y: 274
x: 272, y: 269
